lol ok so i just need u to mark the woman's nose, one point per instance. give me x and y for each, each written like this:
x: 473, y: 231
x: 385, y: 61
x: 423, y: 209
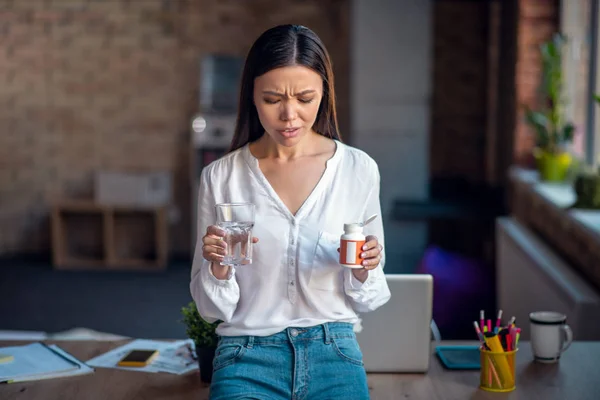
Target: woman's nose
x: 288, y: 112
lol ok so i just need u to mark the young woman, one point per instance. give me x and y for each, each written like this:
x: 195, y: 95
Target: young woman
x: 287, y: 329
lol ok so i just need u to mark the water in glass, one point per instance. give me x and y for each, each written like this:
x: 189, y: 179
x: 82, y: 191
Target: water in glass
x: 237, y: 220
x: 238, y: 236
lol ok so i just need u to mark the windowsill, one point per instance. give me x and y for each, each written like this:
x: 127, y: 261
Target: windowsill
x: 563, y: 196
x: 590, y: 219
x: 546, y: 207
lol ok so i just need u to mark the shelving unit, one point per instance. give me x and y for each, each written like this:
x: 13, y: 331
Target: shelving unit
x: 86, y: 235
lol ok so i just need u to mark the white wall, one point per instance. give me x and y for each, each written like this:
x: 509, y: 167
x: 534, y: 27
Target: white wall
x: 391, y: 76
x: 545, y: 282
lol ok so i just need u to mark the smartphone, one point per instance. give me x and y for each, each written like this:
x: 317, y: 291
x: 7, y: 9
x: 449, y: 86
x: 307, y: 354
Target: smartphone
x: 138, y: 358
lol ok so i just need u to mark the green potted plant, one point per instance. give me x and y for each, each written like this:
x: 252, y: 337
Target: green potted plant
x: 204, y: 336
x: 587, y: 183
x: 587, y: 188
x: 553, y: 132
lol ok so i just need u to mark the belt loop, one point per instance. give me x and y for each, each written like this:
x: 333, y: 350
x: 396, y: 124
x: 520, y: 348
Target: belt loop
x: 327, y: 334
x: 250, y: 342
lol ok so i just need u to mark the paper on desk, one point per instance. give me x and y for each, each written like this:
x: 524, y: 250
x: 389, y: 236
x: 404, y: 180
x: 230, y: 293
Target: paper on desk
x: 36, y: 362
x: 83, y: 368
x: 177, y: 359
x: 22, y: 335
x: 32, y: 360
x: 168, y: 359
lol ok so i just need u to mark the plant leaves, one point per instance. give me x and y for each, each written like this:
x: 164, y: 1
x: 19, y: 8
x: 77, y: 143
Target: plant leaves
x: 568, y: 133
x: 201, y: 332
x: 548, y: 121
x: 540, y: 123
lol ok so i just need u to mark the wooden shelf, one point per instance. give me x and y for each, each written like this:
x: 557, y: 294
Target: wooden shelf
x: 86, y: 235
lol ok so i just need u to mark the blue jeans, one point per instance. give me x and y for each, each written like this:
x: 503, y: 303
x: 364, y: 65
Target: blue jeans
x: 320, y: 362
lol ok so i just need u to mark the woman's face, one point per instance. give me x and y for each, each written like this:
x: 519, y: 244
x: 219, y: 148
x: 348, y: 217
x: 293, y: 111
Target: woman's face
x: 287, y: 100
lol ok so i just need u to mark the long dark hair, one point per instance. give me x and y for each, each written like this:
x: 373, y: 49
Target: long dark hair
x: 282, y: 46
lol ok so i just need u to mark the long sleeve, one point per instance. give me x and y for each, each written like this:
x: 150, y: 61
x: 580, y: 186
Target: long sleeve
x: 374, y: 292
x: 294, y: 277
x: 216, y: 299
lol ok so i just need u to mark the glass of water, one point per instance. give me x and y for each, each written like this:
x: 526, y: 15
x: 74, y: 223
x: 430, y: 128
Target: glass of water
x: 237, y: 220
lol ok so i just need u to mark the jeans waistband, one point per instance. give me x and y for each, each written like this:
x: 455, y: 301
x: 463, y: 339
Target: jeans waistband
x: 325, y: 332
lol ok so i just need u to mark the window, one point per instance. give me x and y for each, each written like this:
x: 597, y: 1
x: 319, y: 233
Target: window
x: 579, y: 21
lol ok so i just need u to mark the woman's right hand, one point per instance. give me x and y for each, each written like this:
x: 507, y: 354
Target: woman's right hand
x: 213, y: 245
x: 214, y: 248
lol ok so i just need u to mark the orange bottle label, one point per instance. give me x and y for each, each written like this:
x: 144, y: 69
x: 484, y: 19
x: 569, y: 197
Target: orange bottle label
x: 350, y: 251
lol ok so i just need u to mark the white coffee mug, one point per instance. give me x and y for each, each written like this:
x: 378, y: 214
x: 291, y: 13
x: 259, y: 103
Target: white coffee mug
x: 550, y: 335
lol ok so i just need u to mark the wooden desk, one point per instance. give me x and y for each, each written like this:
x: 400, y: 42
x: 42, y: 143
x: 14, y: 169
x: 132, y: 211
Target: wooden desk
x: 575, y: 377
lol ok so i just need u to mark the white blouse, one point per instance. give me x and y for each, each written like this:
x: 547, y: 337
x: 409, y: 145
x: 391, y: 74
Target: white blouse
x: 295, y: 278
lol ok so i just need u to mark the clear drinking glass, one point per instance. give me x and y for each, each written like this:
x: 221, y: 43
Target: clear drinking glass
x: 237, y: 220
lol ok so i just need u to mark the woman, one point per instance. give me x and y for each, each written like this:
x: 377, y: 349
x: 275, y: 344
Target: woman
x: 288, y: 317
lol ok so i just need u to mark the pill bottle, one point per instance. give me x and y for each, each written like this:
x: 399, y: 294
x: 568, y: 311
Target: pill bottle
x: 351, y: 243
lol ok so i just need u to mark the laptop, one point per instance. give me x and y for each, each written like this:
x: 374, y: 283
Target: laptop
x: 396, y: 337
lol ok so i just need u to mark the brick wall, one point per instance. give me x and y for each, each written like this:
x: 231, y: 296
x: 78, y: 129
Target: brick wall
x: 465, y: 140
x: 538, y: 20
x: 89, y: 84
x: 457, y: 137
x: 485, y: 67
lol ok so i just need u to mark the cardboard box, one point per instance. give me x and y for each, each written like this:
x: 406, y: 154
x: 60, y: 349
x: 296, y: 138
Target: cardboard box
x: 133, y: 188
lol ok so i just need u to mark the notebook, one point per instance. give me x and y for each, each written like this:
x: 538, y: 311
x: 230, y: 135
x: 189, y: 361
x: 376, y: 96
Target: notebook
x: 459, y: 356
x: 38, y: 361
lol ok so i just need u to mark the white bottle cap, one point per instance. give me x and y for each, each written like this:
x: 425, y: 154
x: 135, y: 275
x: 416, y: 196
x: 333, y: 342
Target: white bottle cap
x: 352, y: 228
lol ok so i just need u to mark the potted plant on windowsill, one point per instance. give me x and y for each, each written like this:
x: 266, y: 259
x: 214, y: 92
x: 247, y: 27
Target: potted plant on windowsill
x: 587, y: 183
x: 204, y: 336
x: 553, y: 133
x: 587, y: 188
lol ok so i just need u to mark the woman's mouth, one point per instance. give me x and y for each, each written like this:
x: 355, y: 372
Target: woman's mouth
x: 289, y: 133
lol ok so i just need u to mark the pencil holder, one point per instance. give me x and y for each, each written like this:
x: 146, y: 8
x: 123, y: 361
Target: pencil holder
x: 497, y: 370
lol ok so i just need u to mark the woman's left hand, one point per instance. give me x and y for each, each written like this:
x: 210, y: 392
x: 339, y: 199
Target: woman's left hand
x: 371, y: 256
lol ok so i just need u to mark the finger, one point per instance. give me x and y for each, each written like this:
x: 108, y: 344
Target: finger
x: 215, y: 231
x: 211, y: 241
x: 371, y: 243
x: 371, y: 253
x: 212, y: 257
x: 254, y: 240
x: 208, y: 250
x: 371, y: 262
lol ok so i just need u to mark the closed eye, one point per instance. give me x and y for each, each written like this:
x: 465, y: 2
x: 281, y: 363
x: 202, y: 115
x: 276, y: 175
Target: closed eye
x: 304, y: 101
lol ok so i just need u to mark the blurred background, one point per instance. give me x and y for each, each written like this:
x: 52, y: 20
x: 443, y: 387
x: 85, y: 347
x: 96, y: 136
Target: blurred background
x: 109, y: 109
